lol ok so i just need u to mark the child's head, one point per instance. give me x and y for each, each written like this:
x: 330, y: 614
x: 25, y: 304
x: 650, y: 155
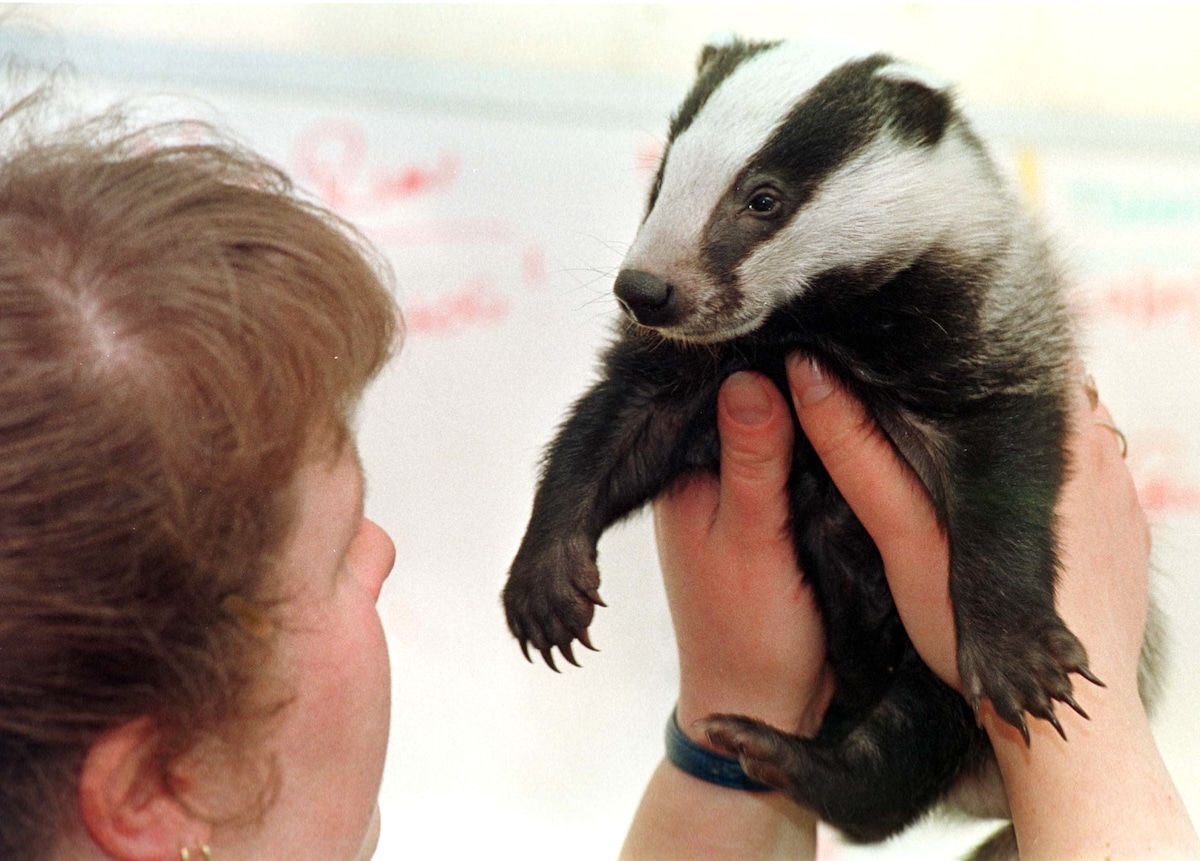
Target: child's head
x: 178, y: 333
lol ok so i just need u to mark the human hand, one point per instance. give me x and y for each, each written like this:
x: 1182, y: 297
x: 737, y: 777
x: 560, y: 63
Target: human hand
x: 1104, y: 592
x: 1104, y: 539
x: 751, y: 641
x: 891, y: 503
x: 749, y: 635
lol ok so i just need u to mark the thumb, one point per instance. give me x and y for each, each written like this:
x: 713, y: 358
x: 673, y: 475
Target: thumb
x: 756, y: 454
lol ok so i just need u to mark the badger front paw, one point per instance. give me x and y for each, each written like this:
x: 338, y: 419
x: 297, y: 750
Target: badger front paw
x: 1023, y: 669
x: 550, y: 598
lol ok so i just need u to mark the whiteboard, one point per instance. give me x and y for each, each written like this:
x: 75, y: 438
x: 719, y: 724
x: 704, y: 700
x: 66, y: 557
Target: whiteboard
x: 504, y: 201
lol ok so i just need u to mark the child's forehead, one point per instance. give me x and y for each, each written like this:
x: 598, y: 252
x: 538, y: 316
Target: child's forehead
x: 329, y: 497
x: 330, y: 478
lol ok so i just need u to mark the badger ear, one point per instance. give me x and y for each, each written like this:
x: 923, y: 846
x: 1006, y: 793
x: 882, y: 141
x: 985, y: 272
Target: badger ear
x: 714, y: 46
x: 921, y: 103
x: 706, y: 55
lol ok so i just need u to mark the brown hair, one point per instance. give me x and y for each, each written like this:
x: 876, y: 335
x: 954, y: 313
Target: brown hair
x: 177, y: 328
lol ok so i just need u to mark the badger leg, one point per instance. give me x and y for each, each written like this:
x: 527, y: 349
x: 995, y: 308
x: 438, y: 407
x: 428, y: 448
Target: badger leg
x: 872, y: 778
x: 1021, y: 666
x: 1013, y: 648
x: 618, y: 449
x: 896, y: 738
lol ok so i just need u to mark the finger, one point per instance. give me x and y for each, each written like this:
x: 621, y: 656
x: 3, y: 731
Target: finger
x: 756, y: 455
x: 1090, y: 415
x: 1096, y: 441
x: 684, y: 514
x: 1098, y: 456
x: 890, y: 502
x: 878, y: 485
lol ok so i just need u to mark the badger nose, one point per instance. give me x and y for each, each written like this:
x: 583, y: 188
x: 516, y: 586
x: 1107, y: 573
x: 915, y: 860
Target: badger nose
x: 645, y: 297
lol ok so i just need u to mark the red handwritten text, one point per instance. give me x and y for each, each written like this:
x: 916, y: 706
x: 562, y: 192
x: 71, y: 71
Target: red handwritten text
x: 478, y: 303
x: 332, y: 158
x: 1147, y: 299
x: 533, y: 267
x: 1158, y: 460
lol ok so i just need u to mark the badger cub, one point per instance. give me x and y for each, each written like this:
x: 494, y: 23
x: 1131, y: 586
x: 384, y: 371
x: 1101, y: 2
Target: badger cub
x: 840, y: 207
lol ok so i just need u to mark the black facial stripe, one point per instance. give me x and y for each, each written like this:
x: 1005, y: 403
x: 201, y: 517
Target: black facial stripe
x: 838, y: 118
x: 819, y: 134
x: 715, y: 65
x: 823, y: 131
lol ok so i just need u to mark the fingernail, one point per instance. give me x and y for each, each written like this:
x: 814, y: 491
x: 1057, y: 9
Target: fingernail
x: 808, y: 381
x: 747, y: 399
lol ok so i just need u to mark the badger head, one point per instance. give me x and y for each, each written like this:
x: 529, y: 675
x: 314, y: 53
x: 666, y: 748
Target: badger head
x: 786, y: 162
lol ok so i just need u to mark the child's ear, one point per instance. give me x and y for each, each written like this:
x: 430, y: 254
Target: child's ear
x: 127, y: 806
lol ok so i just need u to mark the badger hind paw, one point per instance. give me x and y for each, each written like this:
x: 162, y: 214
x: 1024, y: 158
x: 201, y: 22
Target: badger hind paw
x: 764, y: 752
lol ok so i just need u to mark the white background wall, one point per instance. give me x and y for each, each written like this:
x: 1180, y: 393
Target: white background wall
x: 1133, y: 58
x: 499, y: 156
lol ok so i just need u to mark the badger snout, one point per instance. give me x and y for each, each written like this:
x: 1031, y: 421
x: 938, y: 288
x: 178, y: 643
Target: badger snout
x: 646, y: 298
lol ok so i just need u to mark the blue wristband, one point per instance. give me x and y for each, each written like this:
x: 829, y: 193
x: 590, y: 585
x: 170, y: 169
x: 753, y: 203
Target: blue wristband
x: 705, y: 764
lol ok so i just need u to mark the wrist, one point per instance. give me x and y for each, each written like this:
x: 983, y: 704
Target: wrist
x: 1108, y: 771
x: 704, y: 763
x: 786, y: 705
x: 1096, y: 747
x: 681, y: 817
x: 1108, y: 711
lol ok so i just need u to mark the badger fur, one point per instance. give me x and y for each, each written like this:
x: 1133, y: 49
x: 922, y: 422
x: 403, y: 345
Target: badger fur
x: 839, y: 206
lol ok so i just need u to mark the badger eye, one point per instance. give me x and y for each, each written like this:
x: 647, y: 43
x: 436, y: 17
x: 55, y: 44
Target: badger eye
x: 764, y: 203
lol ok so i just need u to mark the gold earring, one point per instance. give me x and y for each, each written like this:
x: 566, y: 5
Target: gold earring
x: 1121, y: 441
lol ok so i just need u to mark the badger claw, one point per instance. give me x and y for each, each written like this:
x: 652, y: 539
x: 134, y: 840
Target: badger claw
x: 1052, y: 718
x: 1091, y: 677
x: 550, y: 598
x: 565, y: 648
x: 1020, y: 723
x: 1069, y: 699
x: 1024, y: 672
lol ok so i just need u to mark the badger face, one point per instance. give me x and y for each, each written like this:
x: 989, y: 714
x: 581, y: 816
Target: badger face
x: 784, y: 163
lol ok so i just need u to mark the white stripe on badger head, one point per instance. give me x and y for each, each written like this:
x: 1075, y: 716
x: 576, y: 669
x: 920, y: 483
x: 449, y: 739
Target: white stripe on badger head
x: 888, y: 204
x: 722, y: 39
x: 735, y: 122
x: 901, y: 71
